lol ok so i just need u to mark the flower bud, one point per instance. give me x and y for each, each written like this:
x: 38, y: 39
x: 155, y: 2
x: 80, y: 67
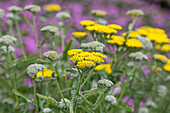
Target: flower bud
x: 15, y: 9
x: 135, y: 13
x: 33, y: 8
x: 52, y: 55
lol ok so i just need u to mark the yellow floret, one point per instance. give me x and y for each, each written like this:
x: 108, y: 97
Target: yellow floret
x: 116, y: 40
x: 85, y: 64
x: 106, y: 67
x: 46, y: 73
x: 134, y: 43
x: 79, y: 34
x: 160, y: 57
x: 164, y: 47
x: 87, y: 23
x: 74, y: 52
x: 52, y: 7
x: 115, y: 26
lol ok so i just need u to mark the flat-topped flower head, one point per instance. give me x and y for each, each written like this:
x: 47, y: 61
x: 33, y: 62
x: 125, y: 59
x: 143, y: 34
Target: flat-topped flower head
x: 94, y: 46
x: 138, y: 56
x: 111, y: 99
x: 7, y: 40
x: 161, y: 58
x: 162, y: 90
x: 73, y: 52
x: 33, y: 8
x: 46, y: 110
x: 167, y: 66
x: 103, y: 29
x: 12, y: 16
x: 45, y: 73
x: 98, y: 13
x: 107, y: 68
x: 85, y: 64
x: 52, y: 7
x: 2, y: 13
x: 34, y: 69
x: 164, y: 47
x: 146, y: 44
x: 51, y: 55
x: 116, y: 40
x: 62, y: 104
x: 85, y: 23
x: 105, y: 83
x: 63, y: 15
x: 134, y: 43
x: 15, y: 9
x: 49, y: 28
x: 143, y: 110
x: 79, y: 35
x: 10, y: 49
x: 135, y: 13
x: 115, y: 26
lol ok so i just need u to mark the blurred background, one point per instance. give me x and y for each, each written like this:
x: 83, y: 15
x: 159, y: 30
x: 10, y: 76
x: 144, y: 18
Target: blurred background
x: 157, y: 14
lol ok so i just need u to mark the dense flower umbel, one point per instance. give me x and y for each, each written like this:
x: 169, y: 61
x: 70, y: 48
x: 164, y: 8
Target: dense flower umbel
x: 49, y: 28
x: 138, y: 56
x: 135, y: 13
x: 63, y: 15
x: 52, y: 7
x: 164, y: 47
x: 85, y: 59
x: 105, y: 82
x: 167, y: 66
x: 34, y: 68
x: 115, y: 26
x: 111, y: 99
x: 1, y: 13
x: 45, y: 73
x: 87, y: 23
x: 98, y: 13
x: 10, y: 49
x: 7, y: 40
x: 160, y: 57
x: 51, y: 55
x: 15, y: 9
x: 33, y: 8
x: 107, y: 68
x: 79, y: 35
x: 116, y: 40
x: 93, y: 46
x: 134, y: 43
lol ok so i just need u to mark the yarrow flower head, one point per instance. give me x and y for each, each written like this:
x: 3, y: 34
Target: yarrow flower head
x: 105, y: 83
x: 85, y: 23
x: 167, y: 66
x: 98, y: 13
x: 10, y: 49
x: 160, y: 57
x: 49, y: 28
x: 134, y: 43
x: 62, y: 104
x: 2, y: 13
x: 33, y: 8
x: 116, y: 40
x: 52, y: 7
x: 143, y: 110
x: 151, y: 104
x: 135, y: 13
x: 115, y: 26
x: 94, y: 46
x: 138, y: 56
x: 79, y: 35
x: 107, y: 68
x: 15, y: 9
x: 46, y: 110
x: 34, y: 68
x: 162, y: 90
x: 51, y: 55
x: 111, y: 99
x: 164, y: 47
x: 7, y: 40
x: 44, y: 73
x: 63, y: 15
x: 146, y: 44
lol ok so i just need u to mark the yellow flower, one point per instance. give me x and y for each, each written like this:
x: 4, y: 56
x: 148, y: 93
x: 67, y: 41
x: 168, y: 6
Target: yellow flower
x: 159, y: 38
x: 157, y: 69
x: 104, y: 29
x: 106, y: 67
x: 52, y: 7
x: 160, y: 57
x: 133, y: 34
x: 98, y: 13
x: 167, y: 67
x: 87, y: 23
x: 115, y: 26
x: 74, y: 52
x: 46, y: 73
x: 116, y: 40
x: 79, y: 34
x: 142, y: 32
x: 85, y: 64
x: 134, y: 43
x: 164, y: 47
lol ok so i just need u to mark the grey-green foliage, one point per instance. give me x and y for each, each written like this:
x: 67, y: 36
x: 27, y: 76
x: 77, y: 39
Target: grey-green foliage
x: 48, y: 99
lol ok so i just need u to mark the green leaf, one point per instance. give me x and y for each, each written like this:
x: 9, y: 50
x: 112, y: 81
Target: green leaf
x: 26, y: 20
x: 5, y: 83
x: 29, y: 100
x: 67, y: 29
x: 71, y: 71
x: 127, y: 107
x: 48, y: 99
x: 66, y: 49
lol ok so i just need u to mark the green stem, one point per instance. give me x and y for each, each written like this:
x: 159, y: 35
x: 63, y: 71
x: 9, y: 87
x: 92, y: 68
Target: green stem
x: 89, y: 103
x: 35, y: 96
x: 20, y: 39
x: 13, y: 82
x: 87, y: 78
x: 58, y: 87
x: 98, y: 100
x: 0, y: 32
x: 36, y: 37
x: 62, y: 38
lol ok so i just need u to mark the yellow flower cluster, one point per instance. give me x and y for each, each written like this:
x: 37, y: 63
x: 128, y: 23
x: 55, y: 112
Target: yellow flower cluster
x: 160, y: 57
x: 87, y: 23
x: 134, y: 43
x: 157, y: 69
x: 164, y: 47
x: 79, y: 34
x: 115, y: 26
x: 98, y: 13
x: 46, y: 73
x: 85, y: 59
x: 107, y: 68
x: 116, y: 40
x: 52, y: 7
x: 133, y: 34
x: 101, y: 29
x: 167, y: 66
x: 73, y: 52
